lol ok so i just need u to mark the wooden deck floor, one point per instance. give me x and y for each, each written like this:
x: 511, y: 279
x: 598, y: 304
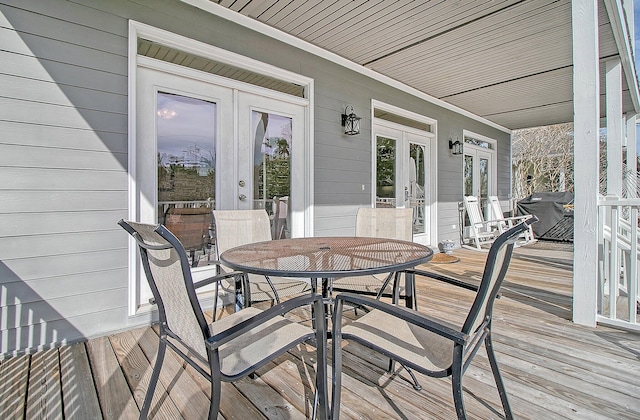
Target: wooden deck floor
x: 552, y: 368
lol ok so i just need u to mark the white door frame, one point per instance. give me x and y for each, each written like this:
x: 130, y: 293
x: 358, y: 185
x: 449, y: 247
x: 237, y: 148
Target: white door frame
x: 139, y: 30
x: 404, y: 136
x: 478, y: 153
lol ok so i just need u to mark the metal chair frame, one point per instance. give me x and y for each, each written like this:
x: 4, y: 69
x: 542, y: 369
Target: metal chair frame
x: 212, y: 342
x: 465, y: 341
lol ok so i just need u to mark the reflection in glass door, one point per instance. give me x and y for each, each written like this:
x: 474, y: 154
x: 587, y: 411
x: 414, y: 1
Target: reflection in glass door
x: 271, y: 149
x: 186, y: 139
x: 415, y: 198
x: 385, y: 172
x: 272, y: 168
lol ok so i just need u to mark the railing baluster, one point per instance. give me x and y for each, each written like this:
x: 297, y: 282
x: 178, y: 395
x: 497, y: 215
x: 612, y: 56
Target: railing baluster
x: 614, y: 263
x: 619, y: 254
x: 632, y: 280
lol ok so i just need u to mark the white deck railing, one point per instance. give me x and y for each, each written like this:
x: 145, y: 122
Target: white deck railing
x: 618, y: 246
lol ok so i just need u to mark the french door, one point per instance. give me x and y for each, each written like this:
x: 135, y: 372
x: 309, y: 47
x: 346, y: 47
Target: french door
x: 402, y: 175
x: 478, y: 175
x: 202, y: 145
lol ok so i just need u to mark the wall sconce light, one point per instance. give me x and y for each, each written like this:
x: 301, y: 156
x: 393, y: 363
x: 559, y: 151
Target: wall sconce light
x: 350, y: 121
x: 455, y: 147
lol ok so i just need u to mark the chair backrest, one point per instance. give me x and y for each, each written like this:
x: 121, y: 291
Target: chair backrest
x: 239, y: 227
x: 280, y: 209
x: 473, y: 209
x: 167, y: 269
x: 496, y: 209
x: 190, y: 225
x: 495, y: 270
x: 391, y: 223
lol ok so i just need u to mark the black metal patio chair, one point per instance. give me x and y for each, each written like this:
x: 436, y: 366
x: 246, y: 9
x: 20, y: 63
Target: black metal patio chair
x: 230, y: 348
x: 427, y: 345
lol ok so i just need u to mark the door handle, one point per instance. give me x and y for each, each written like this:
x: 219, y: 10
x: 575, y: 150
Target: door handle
x: 242, y: 197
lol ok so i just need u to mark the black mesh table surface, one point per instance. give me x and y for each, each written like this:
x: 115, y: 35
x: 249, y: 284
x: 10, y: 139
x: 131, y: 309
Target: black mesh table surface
x: 326, y: 257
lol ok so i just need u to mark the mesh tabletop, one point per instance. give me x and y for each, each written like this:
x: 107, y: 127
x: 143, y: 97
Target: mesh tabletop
x: 326, y: 257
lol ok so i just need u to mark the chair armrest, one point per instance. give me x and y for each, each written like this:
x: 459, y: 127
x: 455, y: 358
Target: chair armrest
x: 515, y: 218
x: 223, y: 337
x: 445, y: 279
x: 409, y: 315
x: 217, y: 278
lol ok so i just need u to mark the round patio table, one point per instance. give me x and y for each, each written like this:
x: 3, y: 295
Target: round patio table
x: 328, y: 258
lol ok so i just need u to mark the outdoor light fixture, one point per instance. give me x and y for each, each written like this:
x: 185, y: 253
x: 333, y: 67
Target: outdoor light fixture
x: 350, y: 121
x: 455, y: 147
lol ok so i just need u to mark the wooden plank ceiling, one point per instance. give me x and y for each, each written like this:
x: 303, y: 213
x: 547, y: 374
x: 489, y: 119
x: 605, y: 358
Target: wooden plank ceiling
x: 509, y: 61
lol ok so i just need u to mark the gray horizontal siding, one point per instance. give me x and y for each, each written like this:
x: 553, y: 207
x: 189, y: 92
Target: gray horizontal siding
x: 51, y: 266
x: 62, y: 116
x: 18, y: 224
x: 48, y: 92
x: 56, y: 201
x: 36, y: 68
x: 25, y: 247
x: 63, y: 173
x: 53, y: 157
x: 26, y: 134
x: 74, y: 305
x: 56, y: 179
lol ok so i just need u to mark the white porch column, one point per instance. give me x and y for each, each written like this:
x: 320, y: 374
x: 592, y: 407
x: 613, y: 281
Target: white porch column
x: 632, y: 153
x: 615, y: 132
x: 586, y: 110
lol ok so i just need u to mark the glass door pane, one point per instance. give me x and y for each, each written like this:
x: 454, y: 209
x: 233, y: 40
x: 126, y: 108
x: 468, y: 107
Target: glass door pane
x: 483, y: 178
x: 386, y: 172
x: 417, y: 186
x: 271, y: 147
x: 186, y: 162
x: 272, y: 168
x: 468, y: 175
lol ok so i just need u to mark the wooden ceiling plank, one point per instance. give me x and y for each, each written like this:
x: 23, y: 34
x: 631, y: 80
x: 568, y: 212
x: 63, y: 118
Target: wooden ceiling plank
x: 329, y: 21
x: 378, y: 19
x: 303, y: 10
x: 255, y: 8
x: 236, y: 5
x: 489, y: 34
x: 277, y: 9
x: 414, y: 30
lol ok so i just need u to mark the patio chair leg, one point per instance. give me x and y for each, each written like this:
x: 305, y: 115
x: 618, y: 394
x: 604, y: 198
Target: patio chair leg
x: 488, y: 343
x: 456, y: 383
x: 416, y: 385
x: 321, y: 398
x: 155, y: 375
x: 336, y: 354
x: 314, y: 412
x: 214, y: 408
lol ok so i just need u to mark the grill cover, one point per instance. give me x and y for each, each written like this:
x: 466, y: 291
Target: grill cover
x: 548, y: 207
